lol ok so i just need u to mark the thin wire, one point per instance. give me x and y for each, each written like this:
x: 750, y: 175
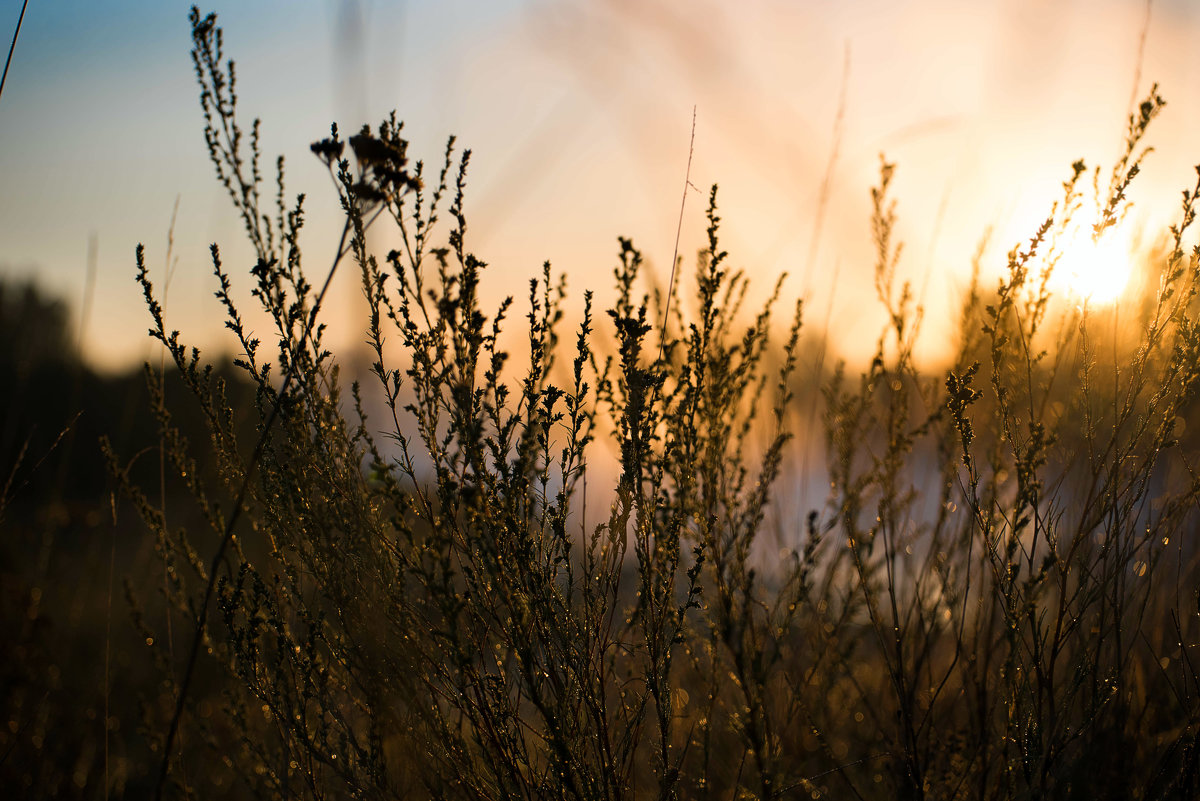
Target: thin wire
x: 12, y: 46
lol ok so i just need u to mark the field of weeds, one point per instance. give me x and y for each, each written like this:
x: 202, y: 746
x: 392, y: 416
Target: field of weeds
x: 582, y: 571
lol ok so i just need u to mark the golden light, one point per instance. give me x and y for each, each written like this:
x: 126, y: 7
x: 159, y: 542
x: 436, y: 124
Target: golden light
x: 1093, y: 270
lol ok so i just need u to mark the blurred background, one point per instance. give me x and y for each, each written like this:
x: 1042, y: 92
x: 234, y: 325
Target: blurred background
x: 579, y: 114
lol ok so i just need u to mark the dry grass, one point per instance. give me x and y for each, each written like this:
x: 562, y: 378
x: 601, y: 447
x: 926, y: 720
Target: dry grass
x: 996, y: 600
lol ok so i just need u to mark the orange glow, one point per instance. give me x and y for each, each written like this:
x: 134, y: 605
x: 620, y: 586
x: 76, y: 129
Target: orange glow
x: 1093, y: 269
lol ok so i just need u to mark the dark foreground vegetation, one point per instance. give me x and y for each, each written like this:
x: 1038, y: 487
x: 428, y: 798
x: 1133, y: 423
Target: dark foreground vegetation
x: 420, y: 586
x: 70, y: 552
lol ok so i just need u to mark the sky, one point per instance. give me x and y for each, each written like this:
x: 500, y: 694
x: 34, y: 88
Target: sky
x: 579, y: 114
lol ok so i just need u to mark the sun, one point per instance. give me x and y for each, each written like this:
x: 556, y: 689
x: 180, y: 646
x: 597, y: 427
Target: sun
x: 1093, y: 270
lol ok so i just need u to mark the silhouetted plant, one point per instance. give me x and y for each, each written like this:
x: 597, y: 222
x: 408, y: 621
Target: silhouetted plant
x: 996, y: 600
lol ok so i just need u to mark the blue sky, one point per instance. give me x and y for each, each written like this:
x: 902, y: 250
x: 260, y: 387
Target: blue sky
x: 578, y: 112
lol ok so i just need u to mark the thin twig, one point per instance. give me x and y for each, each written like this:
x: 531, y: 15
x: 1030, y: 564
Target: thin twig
x: 839, y: 125
x: 839, y: 121
x: 214, y: 567
x: 687, y: 182
x: 831, y: 771
x: 8, y: 490
x: 168, y: 273
x: 112, y: 563
x: 1140, y: 59
x: 12, y: 46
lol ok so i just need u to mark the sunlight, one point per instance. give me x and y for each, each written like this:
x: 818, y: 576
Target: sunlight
x: 1093, y: 270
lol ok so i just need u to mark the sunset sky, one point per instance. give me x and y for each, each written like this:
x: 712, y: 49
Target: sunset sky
x: 579, y: 114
